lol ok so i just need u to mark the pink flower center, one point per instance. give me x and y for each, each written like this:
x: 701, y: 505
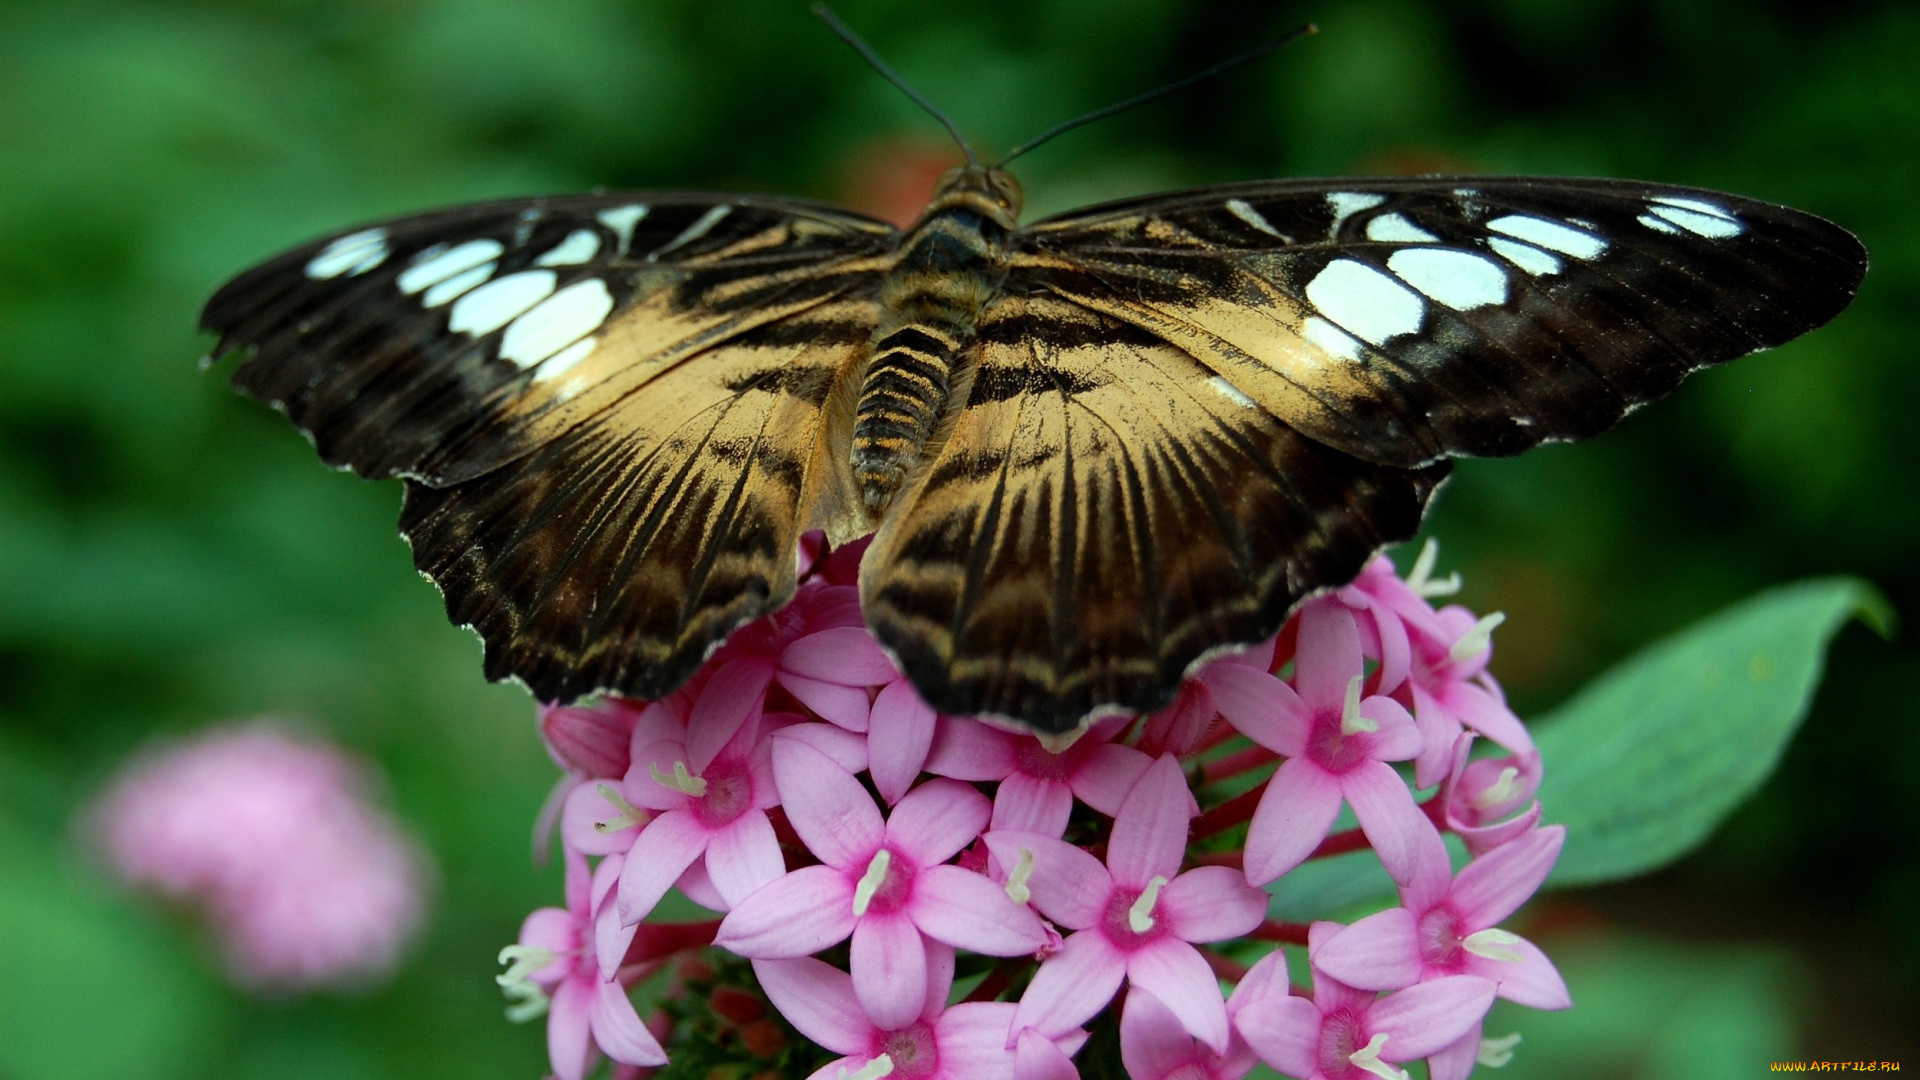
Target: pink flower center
x: 1333, y: 749
x: 894, y: 887
x: 729, y: 794
x: 1034, y: 760
x: 1440, y: 935
x: 1342, y: 1032
x: 1121, y: 916
x: 913, y: 1050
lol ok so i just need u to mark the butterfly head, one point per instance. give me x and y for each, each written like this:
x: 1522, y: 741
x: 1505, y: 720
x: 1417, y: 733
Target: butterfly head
x: 992, y: 193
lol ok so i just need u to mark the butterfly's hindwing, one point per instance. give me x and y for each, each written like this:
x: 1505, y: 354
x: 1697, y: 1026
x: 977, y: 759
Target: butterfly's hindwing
x: 440, y: 346
x: 1104, y: 512
x: 615, y: 556
x: 1403, y: 320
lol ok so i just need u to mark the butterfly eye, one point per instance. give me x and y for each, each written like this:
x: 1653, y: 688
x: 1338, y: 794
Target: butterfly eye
x: 1007, y: 190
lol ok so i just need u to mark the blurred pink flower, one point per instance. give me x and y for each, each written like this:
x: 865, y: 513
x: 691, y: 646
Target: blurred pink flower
x: 304, y: 883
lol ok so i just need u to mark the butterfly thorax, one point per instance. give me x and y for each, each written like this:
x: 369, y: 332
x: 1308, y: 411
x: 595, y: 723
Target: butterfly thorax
x: 950, y: 264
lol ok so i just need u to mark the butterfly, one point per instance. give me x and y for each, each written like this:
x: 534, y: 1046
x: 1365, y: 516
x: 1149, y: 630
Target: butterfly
x: 1095, y: 451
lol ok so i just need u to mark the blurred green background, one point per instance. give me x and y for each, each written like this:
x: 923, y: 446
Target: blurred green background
x: 171, y: 555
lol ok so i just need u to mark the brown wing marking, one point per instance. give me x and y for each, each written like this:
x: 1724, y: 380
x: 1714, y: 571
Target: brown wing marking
x: 615, y: 557
x: 1103, y: 513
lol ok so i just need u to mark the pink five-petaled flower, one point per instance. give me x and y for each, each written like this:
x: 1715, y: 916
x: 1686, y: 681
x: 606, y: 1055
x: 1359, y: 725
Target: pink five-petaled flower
x: 553, y: 967
x: 1136, y: 917
x: 1348, y: 1034
x: 1481, y: 792
x: 719, y: 811
x: 882, y: 882
x: 1154, y: 1045
x: 1447, y: 926
x: 1337, y: 746
x: 1038, y: 785
x: 965, y: 1042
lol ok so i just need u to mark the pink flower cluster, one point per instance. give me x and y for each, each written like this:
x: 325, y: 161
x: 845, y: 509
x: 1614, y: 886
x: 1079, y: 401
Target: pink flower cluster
x: 304, y: 883
x: 855, y: 847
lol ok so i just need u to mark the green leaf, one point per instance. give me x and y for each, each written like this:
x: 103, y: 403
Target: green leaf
x: 1645, y: 761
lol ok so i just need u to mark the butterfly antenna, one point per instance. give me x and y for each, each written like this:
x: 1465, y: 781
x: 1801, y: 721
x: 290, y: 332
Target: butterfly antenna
x: 847, y: 35
x: 1151, y: 95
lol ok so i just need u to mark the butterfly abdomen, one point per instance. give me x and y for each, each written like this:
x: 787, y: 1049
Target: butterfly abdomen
x: 949, y: 268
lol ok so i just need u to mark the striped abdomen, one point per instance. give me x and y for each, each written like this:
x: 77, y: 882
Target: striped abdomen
x: 933, y: 298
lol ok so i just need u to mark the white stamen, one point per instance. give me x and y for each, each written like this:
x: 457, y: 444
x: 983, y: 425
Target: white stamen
x: 1477, y: 639
x: 1493, y: 945
x: 531, y: 1004
x: 1140, y: 915
x: 627, y: 818
x: 1022, y: 873
x: 1351, y: 722
x: 1495, y: 1053
x: 1420, y: 579
x: 870, y: 883
x: 1368, y: 1059
x: 681, y: 781
x: 1506, y: 787
x: 872, y: 1070
x: 529, y: 1001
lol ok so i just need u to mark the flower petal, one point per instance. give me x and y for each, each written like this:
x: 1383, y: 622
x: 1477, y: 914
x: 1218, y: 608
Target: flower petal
x: 1211, y: 903
x: 1149, y: 835
x: 1071, y: 985
x: 1036, y: 1057
x: 1398, y: 737
x: 665, y: 848
x: 936, y: 820
x: 898, y: 738
x: 618, y: 1030
x: 1106, y: 776
x: 818, y: 1000
x: 1152, y: 1041
x: 968, y: 911
x: 847, y: 655
x: 1380, y: 952
x: 584, y: 813
x: 1455, y: 1061
x: 797, y: 915
x: 1493, y: 886
x: 731, y: 698
x: 1259, y: 706
x: 1328, y: 656
x: 1427, y: 1017
x: 1284, y: 1031
x: 1068, y: 885
x: 833, y: 814
x: 1388, y: 815
x: 1174, y: 972
x: 1031, y: 804
x: 971, y: 1041
x: 848, y: 750
x: 1432, y: 873
x: 1294, y: 815
x: 570, y: 1048
x: 940, y: 965
x: 744, y: 856
x: 846, y: 706
x: 966, y: 749
x: 889, y: 970
x: 1532, y: 980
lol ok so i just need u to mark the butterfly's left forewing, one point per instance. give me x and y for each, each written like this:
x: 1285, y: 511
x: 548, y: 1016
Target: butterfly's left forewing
x: 1406, y: 319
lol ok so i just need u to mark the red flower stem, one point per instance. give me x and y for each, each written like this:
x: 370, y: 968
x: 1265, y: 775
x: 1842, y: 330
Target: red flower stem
x: 1287, y: 933
x: 656, y: 941
x: 1228, y: 814
x: 1217, y: 858
x: 996, y: 981
x: 1217, y: 733
x: 1223, y: 967
x: 1240, y: 761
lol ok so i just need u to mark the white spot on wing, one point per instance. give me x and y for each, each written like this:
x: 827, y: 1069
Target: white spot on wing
x: 457, y: 284
x: 563, y: 361
x: 1348, y: 203
x: 430, y: 270
x: 1231, y: 392
x: 694, y: 231
x: 1698, y: 206
x: 1245, y: 212
x: 1395, y: 229
x: 1330, y: 337
x: 580, y: 246
x: 1711, y: 226
x: 1461, y: 280
x: 556, y: 322
x: 1370, y: 304
x: 622, y: 219
x: 499, y: 302
x: 1657, y: 225
x: 354, y: 253
x: 1550, y: 235
x: 1525, y: 256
